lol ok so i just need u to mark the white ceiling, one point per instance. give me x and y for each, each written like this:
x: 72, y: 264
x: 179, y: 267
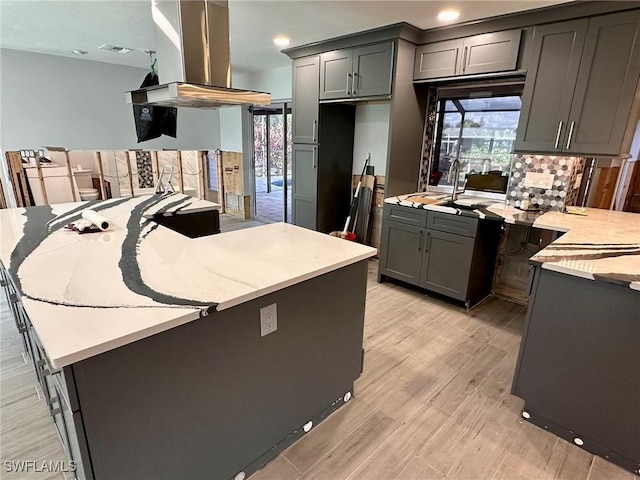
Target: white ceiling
x: 57, y: 27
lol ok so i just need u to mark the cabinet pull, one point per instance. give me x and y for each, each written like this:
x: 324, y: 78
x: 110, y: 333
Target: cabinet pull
x: 348, y: 78
x: 3, y: 283
x: 314, y: 157
x: 557, y: 142
x: 420, y: 241
x: 314, y: 128
x: 464, y: 60
x: 354, y: 83
x: 573, y: 124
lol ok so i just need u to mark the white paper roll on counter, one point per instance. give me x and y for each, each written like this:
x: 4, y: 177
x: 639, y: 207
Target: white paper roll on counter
x: 98, y: 220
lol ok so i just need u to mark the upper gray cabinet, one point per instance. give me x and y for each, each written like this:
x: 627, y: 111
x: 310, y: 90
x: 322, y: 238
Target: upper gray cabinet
x: 487, y: 53
x: 336, y: 74
x: 360, y: 72
x: 305, y: 99
x: 579, y: 92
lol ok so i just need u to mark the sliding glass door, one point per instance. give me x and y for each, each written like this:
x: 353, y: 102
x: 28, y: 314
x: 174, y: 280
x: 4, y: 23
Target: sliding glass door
x: 272, y: 163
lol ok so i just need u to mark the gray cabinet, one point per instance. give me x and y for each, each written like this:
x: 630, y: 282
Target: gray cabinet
x: 360, y: 72
x: 304, y: 185
x: 446, y: 263
x: 336, y: 74
x: 606, y: 85
x: 578, y: 94
x: 401, y: 251
x: 487, y: 53
x: 305, y: 99
x: 445, y: 253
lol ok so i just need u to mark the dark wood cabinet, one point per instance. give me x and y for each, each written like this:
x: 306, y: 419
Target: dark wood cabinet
x: 306, y: 73
x: 580, y: 89
x: 445, y: 253
x: 487, y: 53
x: 360, y: 72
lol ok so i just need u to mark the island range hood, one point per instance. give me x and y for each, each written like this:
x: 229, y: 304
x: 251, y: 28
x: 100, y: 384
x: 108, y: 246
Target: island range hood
x: 192, y: 44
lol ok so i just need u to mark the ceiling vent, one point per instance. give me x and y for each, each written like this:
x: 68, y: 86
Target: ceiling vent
x: 112, y: 48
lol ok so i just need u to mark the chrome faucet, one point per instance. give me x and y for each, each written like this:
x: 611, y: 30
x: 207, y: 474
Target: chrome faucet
x: 454, y: 170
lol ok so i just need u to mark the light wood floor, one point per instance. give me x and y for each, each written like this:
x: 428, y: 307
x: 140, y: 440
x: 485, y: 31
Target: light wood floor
x: 433, y: 402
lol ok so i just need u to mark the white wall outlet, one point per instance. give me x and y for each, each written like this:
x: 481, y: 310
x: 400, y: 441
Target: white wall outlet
x: 539, y: 180
x: 268, y: 319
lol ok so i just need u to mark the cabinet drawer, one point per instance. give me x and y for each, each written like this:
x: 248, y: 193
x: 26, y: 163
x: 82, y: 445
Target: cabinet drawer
x: 406, y: 215
x: 456, y: 224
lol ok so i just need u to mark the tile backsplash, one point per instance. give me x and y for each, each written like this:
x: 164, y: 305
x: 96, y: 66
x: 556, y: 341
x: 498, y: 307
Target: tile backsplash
x: 567, y: 172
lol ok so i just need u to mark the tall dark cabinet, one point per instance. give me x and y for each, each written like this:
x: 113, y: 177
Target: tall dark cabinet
x: 322, y: 152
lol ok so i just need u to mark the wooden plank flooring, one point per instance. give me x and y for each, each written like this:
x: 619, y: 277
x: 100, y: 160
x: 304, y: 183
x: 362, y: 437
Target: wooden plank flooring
x: 433, y: 403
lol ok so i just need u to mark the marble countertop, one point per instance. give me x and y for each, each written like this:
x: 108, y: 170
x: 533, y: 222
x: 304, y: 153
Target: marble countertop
x: 602, y: 245
x: 87, y: 294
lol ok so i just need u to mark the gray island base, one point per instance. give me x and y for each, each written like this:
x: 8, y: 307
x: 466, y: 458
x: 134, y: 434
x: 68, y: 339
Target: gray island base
x: 579, y: 364
x: 211, y: 398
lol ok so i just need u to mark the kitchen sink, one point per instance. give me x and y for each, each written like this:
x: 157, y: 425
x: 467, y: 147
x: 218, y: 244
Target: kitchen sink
x: 192, y: 225
x: 464, y: 205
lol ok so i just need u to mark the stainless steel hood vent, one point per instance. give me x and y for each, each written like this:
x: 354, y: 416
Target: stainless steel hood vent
x: 192, y: 44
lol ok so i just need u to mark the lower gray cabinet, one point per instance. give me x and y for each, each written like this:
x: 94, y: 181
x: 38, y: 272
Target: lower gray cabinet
x: 305, y: 185
x: 401, y: 252
x: 449, y: 254
x: 446, y: 263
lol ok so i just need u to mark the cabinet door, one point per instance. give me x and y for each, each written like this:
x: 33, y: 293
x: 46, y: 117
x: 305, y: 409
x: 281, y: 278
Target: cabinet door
x: 401, y: 251
x: 546, y: 102
x: 606, y: 85
x: 492, y: 52
x: 446, y: 263
x: 372, y: 69
x: 304, y: 185
x: 440, y: 59
x: 336, y: 70
x: 305, y: 99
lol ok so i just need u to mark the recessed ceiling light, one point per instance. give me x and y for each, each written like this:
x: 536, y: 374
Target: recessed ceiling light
x: 79, y: 52
x: 281, y: 41
x: 448, y: 15
x: 113, y: 48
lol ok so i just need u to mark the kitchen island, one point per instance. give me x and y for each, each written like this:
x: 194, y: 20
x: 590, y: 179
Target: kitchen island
x: 148, y: 346
x: 578, y: 368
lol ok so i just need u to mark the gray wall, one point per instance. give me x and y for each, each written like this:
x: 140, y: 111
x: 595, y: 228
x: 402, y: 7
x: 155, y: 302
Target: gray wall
x: 79, y: 104
x: 371, y: 136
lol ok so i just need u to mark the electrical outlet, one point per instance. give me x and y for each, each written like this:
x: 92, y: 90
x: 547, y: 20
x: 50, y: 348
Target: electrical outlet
x: 268, y: 319
x: 538, y: 180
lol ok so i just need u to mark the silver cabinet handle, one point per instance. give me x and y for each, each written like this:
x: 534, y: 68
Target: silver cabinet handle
x: 573, y: 124
x: 555, y: 145
x: 420, y: 240
x: 314, y: 157
x: 348, y: 78
x: 464, y: 59
x: 354, y: 83
x: 314, y: 130
x: 455, y: 63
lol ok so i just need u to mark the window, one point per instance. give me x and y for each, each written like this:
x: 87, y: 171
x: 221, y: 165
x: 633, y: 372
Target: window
x: 477, y: 130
